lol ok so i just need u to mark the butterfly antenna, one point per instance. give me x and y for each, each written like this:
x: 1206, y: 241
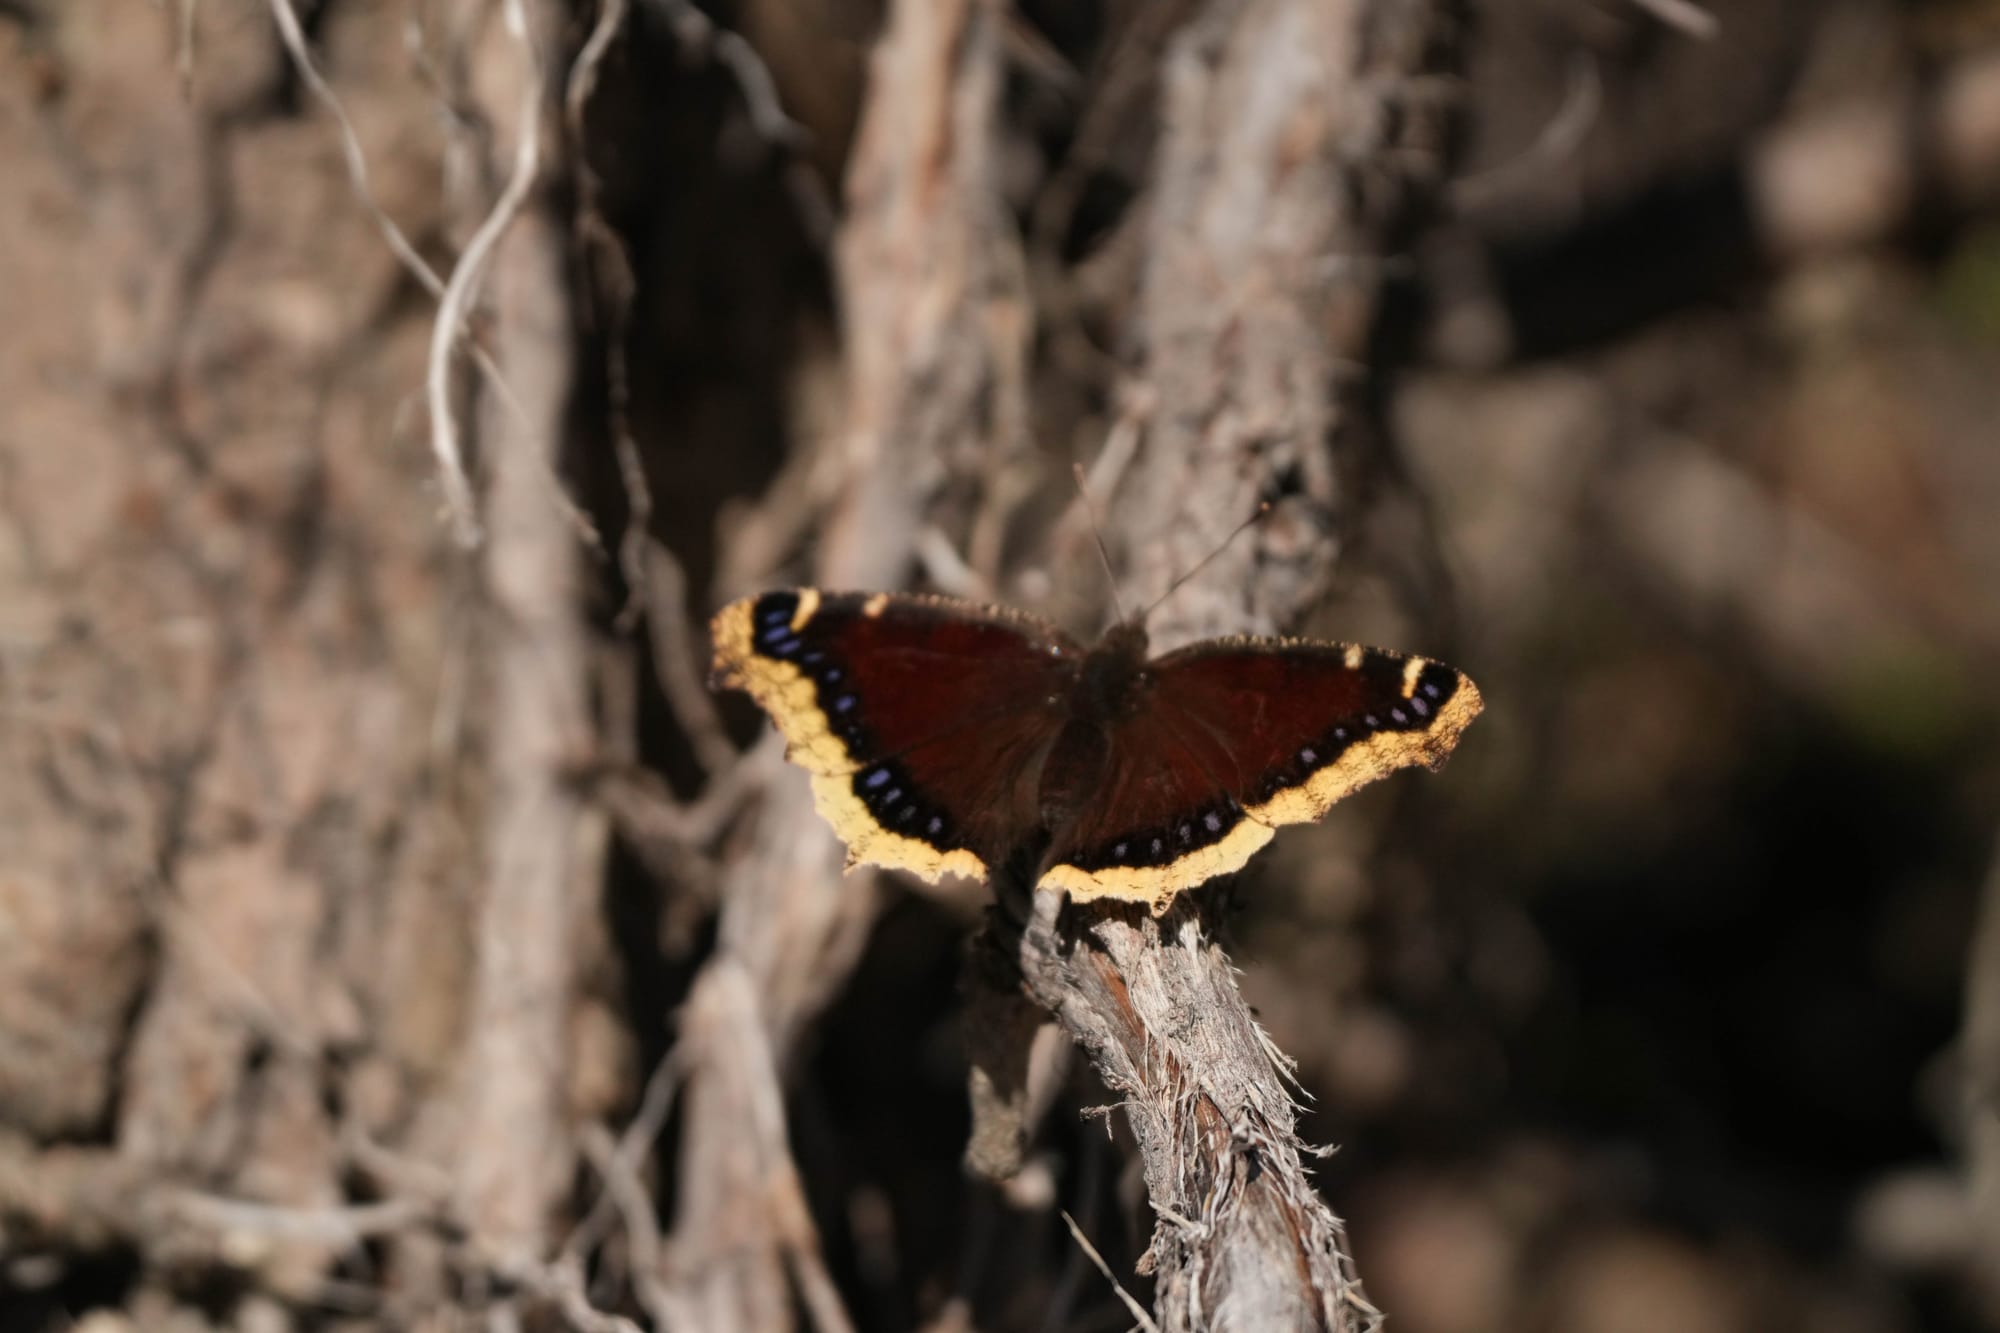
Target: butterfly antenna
x: 1097, y: 535
x: 1263, y: 508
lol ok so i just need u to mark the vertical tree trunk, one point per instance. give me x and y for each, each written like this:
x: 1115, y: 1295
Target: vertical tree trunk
x: 514, y: 1154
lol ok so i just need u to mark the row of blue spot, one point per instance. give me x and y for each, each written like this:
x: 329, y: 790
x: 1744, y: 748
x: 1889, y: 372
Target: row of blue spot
x: 1157, y: 847
x: 777, y: 639
x: 871, y: 787
x: 1163, y: 849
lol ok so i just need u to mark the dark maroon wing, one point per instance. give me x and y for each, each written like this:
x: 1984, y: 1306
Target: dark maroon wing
x: 1160, y: 820
x: 1239, y: 736
x: 922, y: 719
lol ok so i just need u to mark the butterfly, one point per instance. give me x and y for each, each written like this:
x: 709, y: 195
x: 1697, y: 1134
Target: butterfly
x: 943, y: 736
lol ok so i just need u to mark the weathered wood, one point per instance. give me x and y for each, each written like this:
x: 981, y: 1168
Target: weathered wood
x: 1242, y: 1240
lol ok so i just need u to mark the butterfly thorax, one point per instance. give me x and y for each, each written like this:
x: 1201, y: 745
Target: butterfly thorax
x: 1113, y: 675
x: 1110, y: 686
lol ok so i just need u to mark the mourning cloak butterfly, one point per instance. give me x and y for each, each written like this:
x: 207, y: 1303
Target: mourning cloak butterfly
x: 946, y: 736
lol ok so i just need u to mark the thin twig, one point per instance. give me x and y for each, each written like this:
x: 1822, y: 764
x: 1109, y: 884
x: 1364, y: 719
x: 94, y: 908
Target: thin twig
x: 604, y: 240
x: 1088, y: 1190
x: 674, y: 659
x: 637, y: 1209
x: 623, y: 1161
x: 1583, y: 98
x: 1685, y: 15
x: 464, y: 285
x: 1137, y: 1310
x: 559, y: 1284
x: 768, y: 117
x: 725, y: 1033
x: 647, y: 815
x: 946, y: 568
x: 816, y: 1289
x: 406, y: 253
x: 562, y: 1287
x: 699, y: 33
x: 583, y: 73
x: 633, y: 545
x: 184, y: 48
x: 338, y: 1224
x: 350, y: 147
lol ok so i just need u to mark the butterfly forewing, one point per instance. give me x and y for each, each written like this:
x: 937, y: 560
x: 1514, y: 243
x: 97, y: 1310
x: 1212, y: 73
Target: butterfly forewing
x: 1301, y: 724
x: 1257, y: 733
x: 1163, y: 820
x: 920, y: 718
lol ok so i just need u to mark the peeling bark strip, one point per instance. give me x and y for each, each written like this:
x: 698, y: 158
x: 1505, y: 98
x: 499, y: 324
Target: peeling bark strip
x: 1242, y: 1240
x: 1295, y: 135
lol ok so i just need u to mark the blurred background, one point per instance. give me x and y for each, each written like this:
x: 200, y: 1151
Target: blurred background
x: 339, y: 861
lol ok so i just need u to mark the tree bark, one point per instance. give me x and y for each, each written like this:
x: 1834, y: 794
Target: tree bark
x: 513, y: 1152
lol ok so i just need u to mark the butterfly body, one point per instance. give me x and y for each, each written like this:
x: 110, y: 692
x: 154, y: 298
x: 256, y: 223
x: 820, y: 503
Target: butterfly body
x: 945, y: 737
x: 1111, y: 678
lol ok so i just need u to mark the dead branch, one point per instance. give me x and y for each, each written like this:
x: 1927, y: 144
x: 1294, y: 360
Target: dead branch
x: 1242, y: 1239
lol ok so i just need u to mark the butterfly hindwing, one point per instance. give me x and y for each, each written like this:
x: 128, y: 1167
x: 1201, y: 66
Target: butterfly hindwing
x: 1254, y: 733
x: 1163, y: 822
x: 920, y: 718
x: 1301, y: 724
